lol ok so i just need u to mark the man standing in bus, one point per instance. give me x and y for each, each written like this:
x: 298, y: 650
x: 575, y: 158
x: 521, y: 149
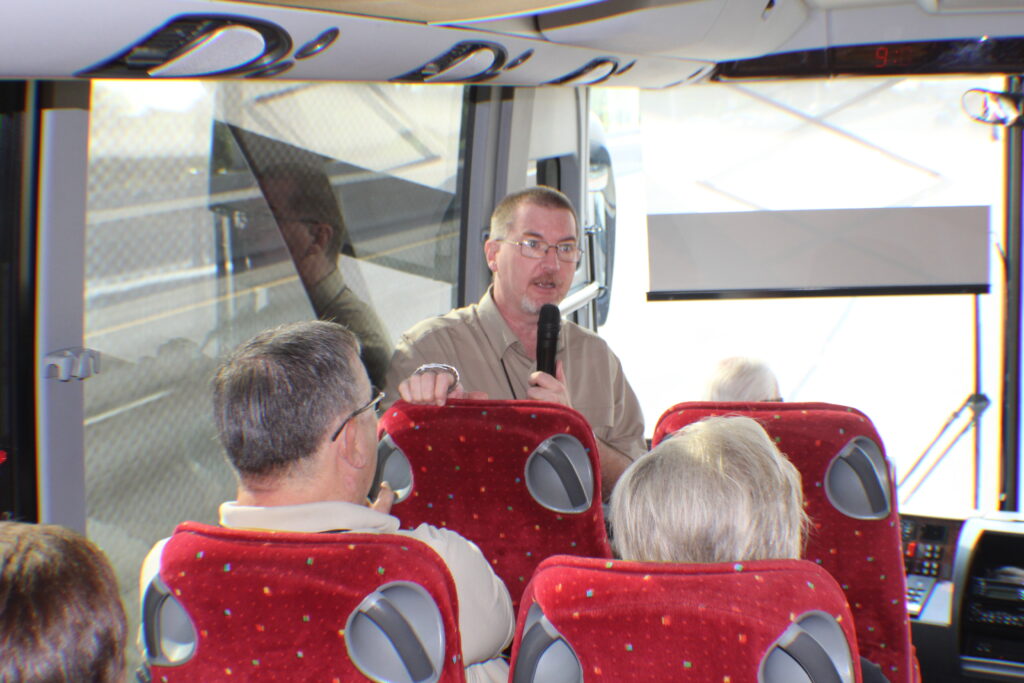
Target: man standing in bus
x: 488, y: 349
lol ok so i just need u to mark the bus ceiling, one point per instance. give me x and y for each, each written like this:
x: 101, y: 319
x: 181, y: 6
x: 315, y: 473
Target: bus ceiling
x: 637, y: 43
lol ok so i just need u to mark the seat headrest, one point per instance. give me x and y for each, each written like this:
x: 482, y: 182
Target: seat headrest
x: 558, y: 473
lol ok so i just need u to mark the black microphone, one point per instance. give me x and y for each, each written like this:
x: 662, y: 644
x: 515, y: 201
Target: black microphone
x: 547, y: 337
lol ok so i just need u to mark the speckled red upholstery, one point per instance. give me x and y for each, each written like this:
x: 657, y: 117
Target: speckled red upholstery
x: 468, y: 459
x: 700, y: 623
x: 272, y: 606
x: 865, y: 556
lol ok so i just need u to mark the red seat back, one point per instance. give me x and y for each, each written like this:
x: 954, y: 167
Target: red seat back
x: 645, y: 621
x: 276, y: 606
x: 471, y: 462
x: 833, y: 446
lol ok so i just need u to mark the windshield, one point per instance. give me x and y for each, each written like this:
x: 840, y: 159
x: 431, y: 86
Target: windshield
x: 908, y: 362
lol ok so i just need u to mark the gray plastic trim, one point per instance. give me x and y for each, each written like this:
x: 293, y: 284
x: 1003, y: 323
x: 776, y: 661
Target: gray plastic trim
x: 222, y: 49
x: 167, y: 630
x: 544, y: 655
x: 60, y: 309
x: 468, y: 61
x: 190, y: 45
x: 318, y: 44
x: 857, y: 481
x: 971, y: 534
x: 394, y: 468
x: 593, y: 72
x: 396, y: 635
x: 813, y: 649
x: 559, y: 475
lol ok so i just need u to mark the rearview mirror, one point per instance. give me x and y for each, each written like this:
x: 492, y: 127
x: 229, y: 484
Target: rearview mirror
x: 994, y: 107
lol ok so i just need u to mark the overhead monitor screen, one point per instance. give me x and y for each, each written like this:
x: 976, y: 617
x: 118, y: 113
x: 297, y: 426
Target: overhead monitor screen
x: 834, y: 252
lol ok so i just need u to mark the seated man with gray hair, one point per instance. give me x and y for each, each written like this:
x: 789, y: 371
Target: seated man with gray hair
x: 295, y: 412
x: 743, y: 379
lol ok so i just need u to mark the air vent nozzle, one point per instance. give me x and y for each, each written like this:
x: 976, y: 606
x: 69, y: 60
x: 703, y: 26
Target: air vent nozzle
x: 199, y: 45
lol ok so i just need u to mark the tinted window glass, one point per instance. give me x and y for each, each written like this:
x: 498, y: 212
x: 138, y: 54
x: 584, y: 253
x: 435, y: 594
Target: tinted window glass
x: 217, y: 210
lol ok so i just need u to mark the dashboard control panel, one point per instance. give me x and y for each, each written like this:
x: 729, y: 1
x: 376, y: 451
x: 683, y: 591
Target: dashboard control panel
x: 918, y: 590
x: 929, y: 546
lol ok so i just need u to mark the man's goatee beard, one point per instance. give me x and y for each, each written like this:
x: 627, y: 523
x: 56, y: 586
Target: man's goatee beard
x: 530, y: 307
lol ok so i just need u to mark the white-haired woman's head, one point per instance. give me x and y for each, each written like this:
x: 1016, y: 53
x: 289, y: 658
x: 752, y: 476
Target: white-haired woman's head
x: 718, y: 490
x: 742, y: 379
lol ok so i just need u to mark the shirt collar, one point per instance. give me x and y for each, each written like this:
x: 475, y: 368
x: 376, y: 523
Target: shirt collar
x: 494, y: 326
x: 307, y: 517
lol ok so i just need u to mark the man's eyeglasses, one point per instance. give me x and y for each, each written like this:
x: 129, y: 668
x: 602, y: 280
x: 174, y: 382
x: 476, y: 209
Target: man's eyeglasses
x: 567, y: 252
x: 245, y: 219
x: 372, y: 403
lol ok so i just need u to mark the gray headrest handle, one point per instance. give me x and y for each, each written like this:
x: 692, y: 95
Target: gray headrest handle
x: 544, y: 656
x: 567, y: 474
x: 389, y: 620
x: 857, y: 480
x: 560, y: 475
x: 393, y: 467
x: 167, y: 631
x: 812, y: 658
x: 812, y: 649
x: 532, y: 647
x: 858, y: 460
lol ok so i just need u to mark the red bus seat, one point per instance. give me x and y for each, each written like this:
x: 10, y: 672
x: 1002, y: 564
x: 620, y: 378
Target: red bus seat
x: 521, y: 479
x: 775, y: 621
x: 851, y: 498
x: 279, y: 606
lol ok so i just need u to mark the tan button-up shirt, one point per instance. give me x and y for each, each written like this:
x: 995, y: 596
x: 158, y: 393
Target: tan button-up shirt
x: 490, y: 358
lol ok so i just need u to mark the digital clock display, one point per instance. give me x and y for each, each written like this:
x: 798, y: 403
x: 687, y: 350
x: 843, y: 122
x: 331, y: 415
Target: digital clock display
x: 905, y: 57
x: 980, y: 55
x: 882, y: 57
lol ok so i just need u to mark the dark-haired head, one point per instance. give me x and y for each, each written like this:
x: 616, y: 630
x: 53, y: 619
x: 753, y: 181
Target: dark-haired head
x: 61, y: 617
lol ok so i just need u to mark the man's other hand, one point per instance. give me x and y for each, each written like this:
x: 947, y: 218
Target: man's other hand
x: 544, y: 387
x: 385, y: 499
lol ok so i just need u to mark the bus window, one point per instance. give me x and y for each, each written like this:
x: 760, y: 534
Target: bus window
x: 552, y: 171
x: 907, y: 361
x: 597, y: 216
x: 189, y: 252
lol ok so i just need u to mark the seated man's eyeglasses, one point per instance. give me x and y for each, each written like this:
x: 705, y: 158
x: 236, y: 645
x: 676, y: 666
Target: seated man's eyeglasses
x: 372, y: 403
x: 567, y: 252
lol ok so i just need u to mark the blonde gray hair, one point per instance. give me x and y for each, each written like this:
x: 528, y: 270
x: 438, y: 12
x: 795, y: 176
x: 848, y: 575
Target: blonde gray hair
x: 742, y: 379
x: 718, y: 490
